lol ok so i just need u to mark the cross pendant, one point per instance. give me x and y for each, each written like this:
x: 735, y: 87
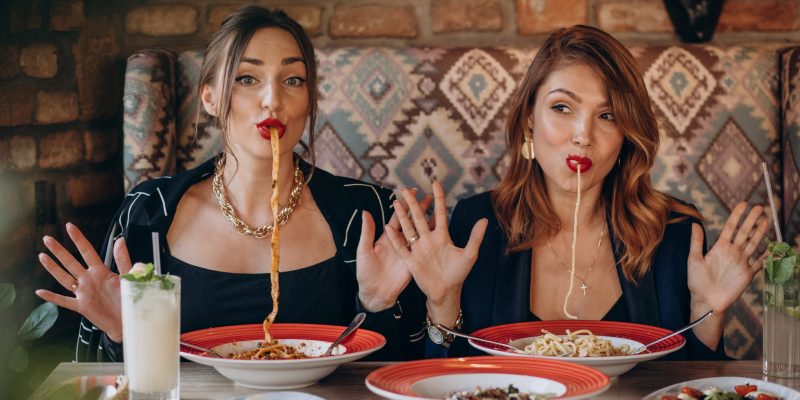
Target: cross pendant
x: 584, y: 287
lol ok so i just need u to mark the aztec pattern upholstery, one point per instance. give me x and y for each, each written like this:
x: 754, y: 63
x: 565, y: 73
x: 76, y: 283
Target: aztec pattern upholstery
x: 403, y: 116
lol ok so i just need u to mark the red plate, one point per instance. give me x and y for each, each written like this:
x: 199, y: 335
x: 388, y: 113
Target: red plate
x: 641, y: 333
x: 360, y: 340
x: 398, y: 381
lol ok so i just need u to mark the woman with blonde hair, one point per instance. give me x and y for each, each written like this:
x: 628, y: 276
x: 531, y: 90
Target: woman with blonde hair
x: 581, y: 129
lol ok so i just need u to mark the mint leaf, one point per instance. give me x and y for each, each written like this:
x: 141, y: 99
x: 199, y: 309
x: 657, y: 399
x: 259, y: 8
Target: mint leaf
x: 7, y: 294
x: 769, y: 268
x: 140, y: 273
x: 785, y: 269
x: 41, y: 319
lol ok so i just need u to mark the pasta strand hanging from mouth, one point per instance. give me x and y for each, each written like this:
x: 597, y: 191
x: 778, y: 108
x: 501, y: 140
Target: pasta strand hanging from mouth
x: 574, y: 242
x: 275, y: 240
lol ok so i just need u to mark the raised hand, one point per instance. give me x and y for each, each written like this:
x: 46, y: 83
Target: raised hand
x: 437, y: 265
x: 719, y: 278
x: 96, y: 288
x: 380, y: 270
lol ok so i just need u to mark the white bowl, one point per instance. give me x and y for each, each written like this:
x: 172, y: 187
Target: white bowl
x: 279, y: 374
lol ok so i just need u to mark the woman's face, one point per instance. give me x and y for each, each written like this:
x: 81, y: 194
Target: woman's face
x: 573, y: 126
x: 269, y: 90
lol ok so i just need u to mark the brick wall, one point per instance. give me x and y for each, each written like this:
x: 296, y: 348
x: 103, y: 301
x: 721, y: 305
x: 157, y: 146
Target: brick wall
x: 62, y: 65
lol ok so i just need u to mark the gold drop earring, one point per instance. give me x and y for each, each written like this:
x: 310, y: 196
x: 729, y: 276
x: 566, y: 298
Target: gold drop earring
x: 527, y: 149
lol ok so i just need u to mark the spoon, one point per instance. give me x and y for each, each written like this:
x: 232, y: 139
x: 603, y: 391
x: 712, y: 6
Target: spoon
x: 685, y: 328
x: 464, y: 335
x: 357, y: 321
x: 210, y: 352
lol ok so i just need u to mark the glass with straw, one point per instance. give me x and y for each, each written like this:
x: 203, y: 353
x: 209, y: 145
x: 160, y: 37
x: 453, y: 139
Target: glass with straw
x: 781, y: 339
x: 151, y: 315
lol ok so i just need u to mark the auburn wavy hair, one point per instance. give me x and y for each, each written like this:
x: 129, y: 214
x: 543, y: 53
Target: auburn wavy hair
x: 638, y: 212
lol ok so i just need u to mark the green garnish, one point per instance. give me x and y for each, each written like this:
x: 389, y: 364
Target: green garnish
x: 781, y: 264
x: 146, y: 273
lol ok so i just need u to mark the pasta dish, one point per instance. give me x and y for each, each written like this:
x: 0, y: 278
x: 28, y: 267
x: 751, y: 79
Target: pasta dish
x: 270, y: 351
x: 581, y: 343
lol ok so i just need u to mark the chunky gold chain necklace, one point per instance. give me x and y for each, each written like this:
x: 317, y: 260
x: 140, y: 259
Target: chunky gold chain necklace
x: 242, y: 227
x: 596, y: 253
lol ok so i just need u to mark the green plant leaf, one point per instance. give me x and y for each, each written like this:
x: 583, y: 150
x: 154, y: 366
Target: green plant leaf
x: 769, y: 268
x: 41, y: 319
x: 785, y: 270
x: 7, y: 295
x: 18, y: 359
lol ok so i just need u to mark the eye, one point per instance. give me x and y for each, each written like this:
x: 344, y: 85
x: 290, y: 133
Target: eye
x: 295, y: 81
x: 246, y: 80
x: 560, y: 108
x: 608, y: 116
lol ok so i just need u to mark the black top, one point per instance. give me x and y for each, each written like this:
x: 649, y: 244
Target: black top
x: 319, y: 294
x: 325, y: 293
x: 497, y: 289
x: 618, y: 313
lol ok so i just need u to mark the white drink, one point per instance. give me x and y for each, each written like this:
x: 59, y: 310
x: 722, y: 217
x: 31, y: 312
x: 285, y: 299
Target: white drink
x: 781, y: 330
x: 150, y: 336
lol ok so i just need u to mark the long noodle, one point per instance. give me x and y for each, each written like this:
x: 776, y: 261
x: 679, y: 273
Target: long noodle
x: 271, y: 349
x: 574, y: 242
x: 581, y: 343
x: 274, y: 243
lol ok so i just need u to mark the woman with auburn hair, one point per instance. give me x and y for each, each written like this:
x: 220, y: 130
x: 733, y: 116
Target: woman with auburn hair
x: 582, y: 137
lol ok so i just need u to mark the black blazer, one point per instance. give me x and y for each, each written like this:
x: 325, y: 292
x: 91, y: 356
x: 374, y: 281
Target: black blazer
x: 150, y: 206
x: 497, y: 290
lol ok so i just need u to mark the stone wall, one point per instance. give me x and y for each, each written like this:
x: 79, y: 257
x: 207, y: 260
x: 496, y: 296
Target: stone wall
x: 62, y: 65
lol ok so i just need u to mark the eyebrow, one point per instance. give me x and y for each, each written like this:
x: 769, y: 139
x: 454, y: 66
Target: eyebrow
x: 285, y: 61
x: 574, y: 96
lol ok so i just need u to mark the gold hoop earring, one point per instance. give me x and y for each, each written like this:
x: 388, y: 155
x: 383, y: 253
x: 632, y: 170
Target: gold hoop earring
x: 527, y: 149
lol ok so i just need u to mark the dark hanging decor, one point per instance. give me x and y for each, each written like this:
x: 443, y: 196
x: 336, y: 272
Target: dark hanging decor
x: 694, y: 20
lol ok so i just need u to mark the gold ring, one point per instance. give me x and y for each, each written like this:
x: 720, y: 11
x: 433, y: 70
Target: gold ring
x: 74, y: 286
x: 412, y: 240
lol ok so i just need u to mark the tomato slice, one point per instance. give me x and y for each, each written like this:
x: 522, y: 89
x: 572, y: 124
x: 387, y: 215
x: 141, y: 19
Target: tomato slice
x: 763, y: 396
x: 693, y: 392
x: 742, y: 390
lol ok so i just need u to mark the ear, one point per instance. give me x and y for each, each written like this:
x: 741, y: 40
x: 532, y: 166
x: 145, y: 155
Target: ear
x: 208, y: 97
x: 530, y: 125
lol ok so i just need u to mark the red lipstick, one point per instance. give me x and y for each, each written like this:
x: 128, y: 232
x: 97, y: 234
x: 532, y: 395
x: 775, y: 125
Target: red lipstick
x: 263, y: 128
x: 573, y: 161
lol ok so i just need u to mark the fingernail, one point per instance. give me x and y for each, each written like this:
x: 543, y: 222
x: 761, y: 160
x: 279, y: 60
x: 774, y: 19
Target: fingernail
x: 44, y: 238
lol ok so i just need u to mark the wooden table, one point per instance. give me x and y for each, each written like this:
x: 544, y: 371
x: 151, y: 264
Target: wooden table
x: 347, y: 382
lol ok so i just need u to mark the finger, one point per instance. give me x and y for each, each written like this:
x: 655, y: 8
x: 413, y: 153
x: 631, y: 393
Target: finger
x: 439, y: 205
x: 417, y: 215
x: 476, y: 237
x: 405, y: 222
x: 85, y: 247
x: 59, y: 300
x: 121, y: 256
x: 755, y: 239
x: 62, y: 277
x: 746, y: 229
x: 365, y: 242
x: 69, y: 262
x: 696, y: 243
x: 732, y: 222
x: 426, y: 204
x: 397, y: 240
x: 759, y: 263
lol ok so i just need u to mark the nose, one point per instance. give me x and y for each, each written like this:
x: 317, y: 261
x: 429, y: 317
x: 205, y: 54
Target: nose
x: 582, y: 134
x: 271, y: 97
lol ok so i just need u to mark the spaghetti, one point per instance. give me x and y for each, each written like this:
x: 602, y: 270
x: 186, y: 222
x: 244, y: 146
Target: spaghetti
x: 270, y: 351
x: 581, y: 343
x: 574, y: 242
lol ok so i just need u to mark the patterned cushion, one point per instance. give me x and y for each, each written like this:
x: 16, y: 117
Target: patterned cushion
x: 403, y: 116
x: 790, y: 109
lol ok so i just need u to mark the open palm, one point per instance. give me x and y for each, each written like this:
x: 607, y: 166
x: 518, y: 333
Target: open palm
x: 437, y: 265
x: 720, y: 277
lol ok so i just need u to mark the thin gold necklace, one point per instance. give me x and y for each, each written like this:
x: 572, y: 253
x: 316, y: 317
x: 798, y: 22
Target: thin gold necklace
x: 594, y: 261
x: 242, y: 227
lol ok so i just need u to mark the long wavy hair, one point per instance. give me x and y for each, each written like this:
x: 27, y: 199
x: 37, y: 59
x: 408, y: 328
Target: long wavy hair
x: 638, y: 212
x: 226, y: 48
